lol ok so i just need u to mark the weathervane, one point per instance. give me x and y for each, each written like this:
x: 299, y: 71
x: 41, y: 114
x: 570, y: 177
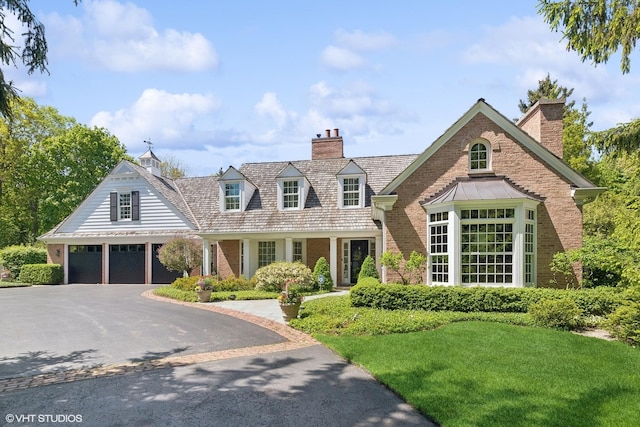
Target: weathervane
x: 148, y: 142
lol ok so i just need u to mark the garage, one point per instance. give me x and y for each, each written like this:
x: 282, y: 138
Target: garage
x: 159, y: 273
x: 126, y: 263
x: 85, y: 263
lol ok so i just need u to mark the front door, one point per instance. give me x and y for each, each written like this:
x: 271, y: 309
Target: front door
x: 358, y: 252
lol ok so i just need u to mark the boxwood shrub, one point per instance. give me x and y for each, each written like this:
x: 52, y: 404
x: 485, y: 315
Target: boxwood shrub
x: 593, y: 302
x: 42, y: 274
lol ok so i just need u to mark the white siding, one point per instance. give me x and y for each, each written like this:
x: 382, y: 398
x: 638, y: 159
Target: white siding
x: 156, y: 213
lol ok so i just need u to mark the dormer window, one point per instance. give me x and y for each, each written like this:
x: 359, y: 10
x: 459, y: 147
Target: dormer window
x: 351, y: 184
x: 293, y: 188
x: 351, y: 192
x: 480, y: 157
x: 235, y: 191
x: 290, y: 194
x: 232, y: 196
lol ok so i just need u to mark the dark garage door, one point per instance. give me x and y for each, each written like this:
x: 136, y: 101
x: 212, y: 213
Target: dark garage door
x: 85, y: 264
x: 159, y: 273
x: 126, y: 264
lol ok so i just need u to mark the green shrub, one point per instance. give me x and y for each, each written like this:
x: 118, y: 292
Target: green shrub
x: 186, y: 284
x: 273, y: 277
x: 233, y: 283
x: 593, y: 302
x: 14, y: 257
x: 322, y: 269
x: 176, y: 293
x: 42, y: 274
x: 335, y: 315
x: 556, y: 313
x: 624, y: 322
x: 368, y: 269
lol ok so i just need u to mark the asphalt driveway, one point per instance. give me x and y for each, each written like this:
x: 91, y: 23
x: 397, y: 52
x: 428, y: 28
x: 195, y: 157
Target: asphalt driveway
x: 78, y: 326
x: 263, y: 379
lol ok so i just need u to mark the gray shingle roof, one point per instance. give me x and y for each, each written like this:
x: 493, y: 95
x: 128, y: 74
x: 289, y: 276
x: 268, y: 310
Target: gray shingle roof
x: 321, y: 212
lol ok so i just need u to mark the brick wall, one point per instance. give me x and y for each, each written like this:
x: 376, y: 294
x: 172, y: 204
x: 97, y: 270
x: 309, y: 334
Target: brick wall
x: 228, y: 258
x: 559, y: 219
x: 317, y: 248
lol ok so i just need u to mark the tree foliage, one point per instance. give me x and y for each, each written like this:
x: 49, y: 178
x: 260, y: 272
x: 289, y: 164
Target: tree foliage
x: 410, y: 271
x: 181, y: 254
x: 596, y: 29
x: 48, y: 164
x: 34, y: 48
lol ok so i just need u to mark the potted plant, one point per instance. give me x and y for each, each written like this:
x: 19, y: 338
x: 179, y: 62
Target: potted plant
x: 290, y: 299
x: 203, y: 289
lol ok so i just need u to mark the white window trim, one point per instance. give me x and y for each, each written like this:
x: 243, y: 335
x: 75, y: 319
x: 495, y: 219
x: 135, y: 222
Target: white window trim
x: 455, y: 244
x: 487, y: 146
x: 361, y: 183
x: 223, y: 196
x: 301, y: 194
x: 121, y: 205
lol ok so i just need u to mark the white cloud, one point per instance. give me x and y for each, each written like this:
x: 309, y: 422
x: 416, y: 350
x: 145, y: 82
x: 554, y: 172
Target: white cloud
x: 359, y: 40
x: 271, y: 107
x: 122, y: 37
x: 166, y: 118
x: 342, y: 59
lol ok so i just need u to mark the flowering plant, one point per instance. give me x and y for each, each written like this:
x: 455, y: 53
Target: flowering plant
x: 203, y: 285
x: 291, y: 294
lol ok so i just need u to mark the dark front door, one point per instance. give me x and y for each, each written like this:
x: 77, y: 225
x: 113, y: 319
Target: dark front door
x: 159, y: 273
x: 359, y: 251
x: 85, y: 264
x: 126, y: 263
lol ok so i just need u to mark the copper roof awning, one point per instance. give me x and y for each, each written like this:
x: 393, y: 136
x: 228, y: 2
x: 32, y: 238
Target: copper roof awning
x: 481, y: 188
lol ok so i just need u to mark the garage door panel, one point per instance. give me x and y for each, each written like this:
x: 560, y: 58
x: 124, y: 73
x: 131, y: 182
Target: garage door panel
x: 126, y: 264
x: 85, y: 264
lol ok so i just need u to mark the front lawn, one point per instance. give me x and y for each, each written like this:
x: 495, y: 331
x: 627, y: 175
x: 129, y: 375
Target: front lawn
x: 490, y: 374
x: 484, y: 369
x: 190, y: 296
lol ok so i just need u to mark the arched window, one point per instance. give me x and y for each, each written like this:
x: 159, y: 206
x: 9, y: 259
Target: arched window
x: 479, y: 157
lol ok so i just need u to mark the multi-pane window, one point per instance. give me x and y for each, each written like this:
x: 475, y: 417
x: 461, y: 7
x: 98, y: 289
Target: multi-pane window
x: 438, y: 246
x: 290, y: 194
x: 266, y: 253
x: 351, y: 192
x: 124, y: 205
x: 529, y: 247
x: 297, y: 251
x: 487, y: 246
x: 478, y: 157
x: 232, y: 196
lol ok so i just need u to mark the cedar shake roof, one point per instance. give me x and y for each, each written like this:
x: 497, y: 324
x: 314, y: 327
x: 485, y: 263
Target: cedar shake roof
x: 481, y: 188
x: 321, y: 211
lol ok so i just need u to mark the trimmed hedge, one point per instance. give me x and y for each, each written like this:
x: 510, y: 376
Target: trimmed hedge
x: 14, y: 257
x: 593, y: 302
x: 42, y: 274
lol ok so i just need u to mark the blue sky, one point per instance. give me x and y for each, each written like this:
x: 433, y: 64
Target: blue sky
x: 222, y: 83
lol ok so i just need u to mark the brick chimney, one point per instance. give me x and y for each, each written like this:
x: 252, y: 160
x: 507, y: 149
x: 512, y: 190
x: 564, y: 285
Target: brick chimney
x: 543, y: 122
x: 329, y: 147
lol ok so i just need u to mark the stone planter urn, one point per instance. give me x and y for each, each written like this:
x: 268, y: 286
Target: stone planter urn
x: 290, y: 311
x: 204, y: 296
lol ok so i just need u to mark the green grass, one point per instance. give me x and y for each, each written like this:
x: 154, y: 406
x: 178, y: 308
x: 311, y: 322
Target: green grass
x: 490, y: 374
x: 335, y: 315
x: 4, y: 284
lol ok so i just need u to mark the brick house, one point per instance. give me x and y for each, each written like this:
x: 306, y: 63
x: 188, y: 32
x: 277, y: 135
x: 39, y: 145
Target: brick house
x: 489, y: 202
